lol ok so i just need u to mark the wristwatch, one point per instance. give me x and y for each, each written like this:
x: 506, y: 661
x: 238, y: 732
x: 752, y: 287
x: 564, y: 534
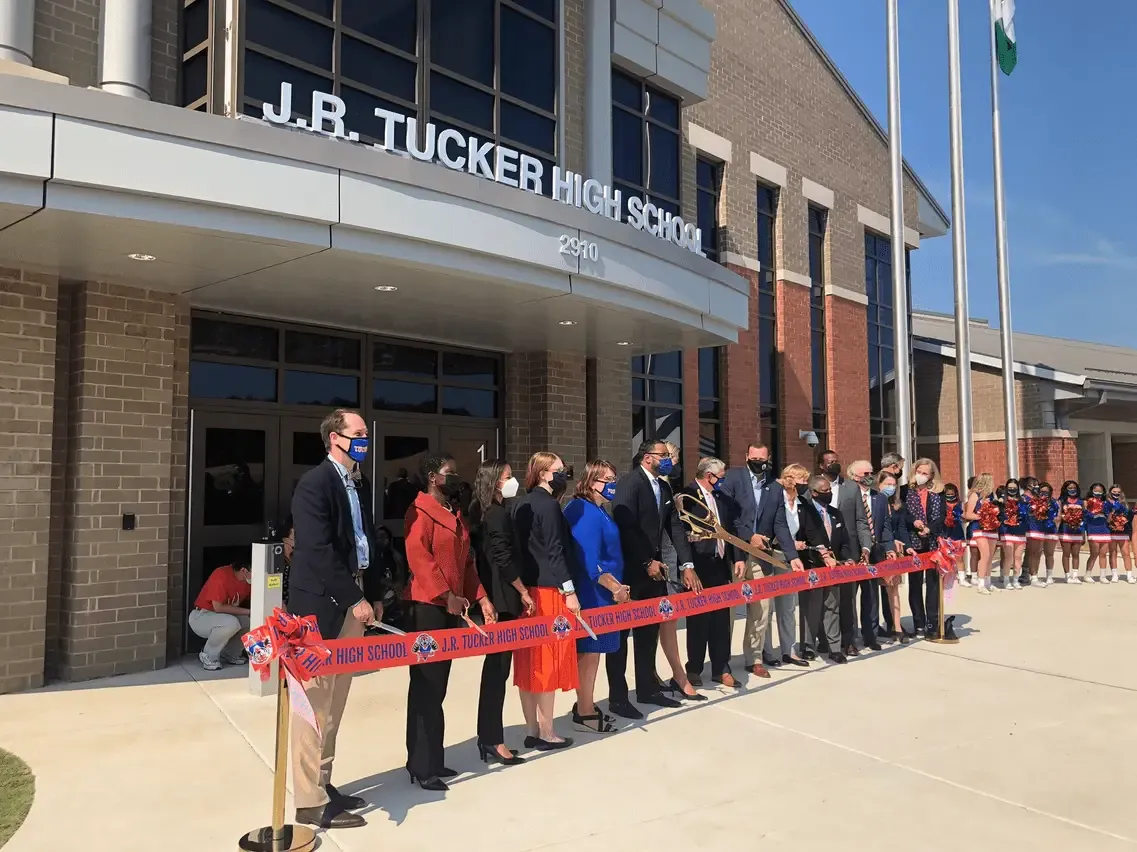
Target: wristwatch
x: 568, y: 588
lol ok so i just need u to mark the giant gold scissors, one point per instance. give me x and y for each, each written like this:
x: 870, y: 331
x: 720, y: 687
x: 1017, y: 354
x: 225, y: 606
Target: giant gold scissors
x: 705, y: 527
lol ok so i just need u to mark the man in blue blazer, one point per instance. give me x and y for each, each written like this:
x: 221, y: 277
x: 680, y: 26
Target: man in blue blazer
x: 873, y: 536
x: 757, y: 496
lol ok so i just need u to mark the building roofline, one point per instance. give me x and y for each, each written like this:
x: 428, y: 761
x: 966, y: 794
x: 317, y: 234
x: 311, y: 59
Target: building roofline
x: 851, y: 92
x: 947, y: 350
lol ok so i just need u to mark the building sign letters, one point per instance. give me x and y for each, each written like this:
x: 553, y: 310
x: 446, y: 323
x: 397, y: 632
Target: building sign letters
x: 487, y: 159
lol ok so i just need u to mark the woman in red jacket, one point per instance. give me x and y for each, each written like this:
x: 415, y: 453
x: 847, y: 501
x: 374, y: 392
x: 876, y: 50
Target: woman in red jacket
x: 443, y: 581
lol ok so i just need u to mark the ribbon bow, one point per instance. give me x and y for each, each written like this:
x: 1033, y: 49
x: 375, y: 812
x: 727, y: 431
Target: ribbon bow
x: 295, y: 641
x: 946, y: 555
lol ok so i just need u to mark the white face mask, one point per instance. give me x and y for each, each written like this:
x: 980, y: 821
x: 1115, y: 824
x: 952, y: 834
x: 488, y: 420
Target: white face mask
x: 922, y: 478
x: 509, y: 488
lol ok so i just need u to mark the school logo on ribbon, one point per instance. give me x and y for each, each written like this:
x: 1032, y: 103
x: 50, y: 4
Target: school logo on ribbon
x: 260, y: 650
x: 562, y: 628
x: 872, y: 570
x: 813, y: 578
x: 747, y: 591
x: 424, y: 647
x: 666, y: 609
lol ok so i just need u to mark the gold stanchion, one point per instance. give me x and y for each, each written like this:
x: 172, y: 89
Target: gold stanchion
x: 942, y: 640
x: 280, y: 836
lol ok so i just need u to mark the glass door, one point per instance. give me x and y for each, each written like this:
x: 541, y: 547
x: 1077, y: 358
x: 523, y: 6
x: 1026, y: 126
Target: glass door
x: 470, y: 446
x: 233, y: 490
x: 397, y: 450
x: 301, y: 449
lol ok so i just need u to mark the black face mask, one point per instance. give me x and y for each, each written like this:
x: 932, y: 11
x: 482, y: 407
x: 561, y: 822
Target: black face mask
x: 824, y: 498
x: 1114, y: 497
x: 1098, y: 494
x: 802, y: 489
x: 833, y: 471
x: 1012, y: 492
x: 560, y: 480
x: 450, y: 484
x: 951, y: 497
x: 759, y: 467
x: 1071, y: 492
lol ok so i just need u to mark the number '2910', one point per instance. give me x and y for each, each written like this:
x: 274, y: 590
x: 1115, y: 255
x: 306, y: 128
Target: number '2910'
x: 576, y: 247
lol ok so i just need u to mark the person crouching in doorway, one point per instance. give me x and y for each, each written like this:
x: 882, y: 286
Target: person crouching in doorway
x: 221, y: 616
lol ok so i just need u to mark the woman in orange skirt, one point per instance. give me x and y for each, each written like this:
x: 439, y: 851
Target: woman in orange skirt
x: 548, y: 554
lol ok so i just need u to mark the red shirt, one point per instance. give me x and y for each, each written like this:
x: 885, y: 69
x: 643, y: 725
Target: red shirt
x: 439, y: 558
x: 225, y: 587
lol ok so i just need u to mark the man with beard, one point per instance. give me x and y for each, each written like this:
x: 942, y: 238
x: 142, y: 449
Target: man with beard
x: 643, y: 509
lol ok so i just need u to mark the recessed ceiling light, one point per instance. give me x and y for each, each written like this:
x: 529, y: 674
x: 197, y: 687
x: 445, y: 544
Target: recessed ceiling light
x: 145, y: 258
x: 567, y: 322
x: 386, y: 288
x: 623, y: 343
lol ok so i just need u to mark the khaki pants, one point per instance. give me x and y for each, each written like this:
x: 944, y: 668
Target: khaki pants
x: 757, y: 619
x: 312, y: 753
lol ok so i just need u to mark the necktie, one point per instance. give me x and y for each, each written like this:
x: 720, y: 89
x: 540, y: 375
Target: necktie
x: 868, y: 513
x: 719, y: 548
x: 355, y: 474
x: 828, y: 526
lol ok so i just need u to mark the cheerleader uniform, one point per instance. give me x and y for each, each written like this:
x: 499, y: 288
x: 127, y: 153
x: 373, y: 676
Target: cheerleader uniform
x: 1045, y: 529
x: 953, y: 521
x: 1097, y: 525
x: 975, y: 531
x: 1067, y: 531
x: 1014, y: 516
x: 1119, y: 506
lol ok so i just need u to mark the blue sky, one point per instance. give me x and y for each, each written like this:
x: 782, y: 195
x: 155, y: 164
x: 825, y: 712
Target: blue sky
x: 1068, y: 149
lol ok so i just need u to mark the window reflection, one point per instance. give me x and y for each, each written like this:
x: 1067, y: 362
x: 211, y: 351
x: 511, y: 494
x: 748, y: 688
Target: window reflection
x: 210, y: 380
x: 302, y: 387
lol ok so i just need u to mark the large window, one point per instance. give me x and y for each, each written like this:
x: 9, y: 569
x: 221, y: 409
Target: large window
x: 710, y: 401
x: 817, y: 222
x: 881, y: 343
x: 768, y: 411
x: 646, y: 159
x: 657, y: 398
x: 195, y: 30
x: 485, y: 67
x: 708, y: 179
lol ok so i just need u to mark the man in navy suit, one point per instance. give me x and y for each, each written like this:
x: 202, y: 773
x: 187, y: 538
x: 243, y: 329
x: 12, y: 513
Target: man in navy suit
x: 757, y: 496
x: 874, y: 536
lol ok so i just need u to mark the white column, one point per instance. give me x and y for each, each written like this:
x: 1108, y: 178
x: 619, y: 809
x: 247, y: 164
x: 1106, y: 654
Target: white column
x: 125, y: 41
x: 17, y: 34
x: 598, y: 91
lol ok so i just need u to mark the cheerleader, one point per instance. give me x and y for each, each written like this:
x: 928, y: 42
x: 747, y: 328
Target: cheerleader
x: 1015, y: 510
x: 1030, y: 565
x: 1071, y: 528
x: 1119, y: 517
x: 1097, y: 533
x: 953, y: 527
x: 1042, y: 530
x: 982, y: 516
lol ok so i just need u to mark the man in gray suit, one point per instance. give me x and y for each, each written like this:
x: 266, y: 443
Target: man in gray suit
x: 845, y: 495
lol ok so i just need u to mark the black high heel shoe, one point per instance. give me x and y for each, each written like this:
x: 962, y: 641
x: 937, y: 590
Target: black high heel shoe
x: 434, y: 783
x: 491, y: 755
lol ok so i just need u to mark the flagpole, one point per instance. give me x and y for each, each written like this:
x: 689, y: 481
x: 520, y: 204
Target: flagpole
x: 1010, y: 416
x: 901, y: 369
x: 959, y: 252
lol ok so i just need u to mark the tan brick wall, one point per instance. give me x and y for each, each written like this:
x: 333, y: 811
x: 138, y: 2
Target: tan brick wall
x: 740, y: 380
x: 847, y: 359
x: 121, y: 442
x: 575, y: 58
x: 545, y: 407
x: 27, y: 375
x: 179, y: 459
x: 796, y: 377
x: 609, y: 401
x: 67, y: 39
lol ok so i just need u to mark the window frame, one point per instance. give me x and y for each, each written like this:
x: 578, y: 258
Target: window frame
x: 714, y: 423
x: 642, y: 189
x: 818, y: 227
x: 769, y: 410
x: 882, y: 428
x: 710, y: 230
x: 647, y: 405
x: 420, y: 109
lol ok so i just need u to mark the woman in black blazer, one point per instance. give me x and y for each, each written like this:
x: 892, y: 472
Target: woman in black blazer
x: 491, y: 528
x: 926, y: 510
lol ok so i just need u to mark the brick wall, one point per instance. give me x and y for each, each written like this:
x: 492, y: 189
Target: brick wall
x: 608, y: 402
x: 796, y: 380
x: 165, y: 57
x: 847, y: 370
x: 575, y: 83
x: 740, y: 379
x: 1125, y: 467
x: 67, y: 39
x: 175, y: 583
x: 690, y: 449
x: 120, y: 438
x: 27, y: 375
x: 1053, y: 460
x: 545, y: 407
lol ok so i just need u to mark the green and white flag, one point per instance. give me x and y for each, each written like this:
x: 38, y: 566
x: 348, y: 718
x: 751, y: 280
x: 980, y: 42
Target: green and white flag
x: 1006, y: 48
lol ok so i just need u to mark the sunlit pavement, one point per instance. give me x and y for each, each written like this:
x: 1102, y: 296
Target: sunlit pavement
x: 1022, y: 736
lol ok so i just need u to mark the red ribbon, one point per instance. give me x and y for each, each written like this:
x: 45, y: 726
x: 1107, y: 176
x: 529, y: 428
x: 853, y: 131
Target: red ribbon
x: 947, y: 555
x: 295, y: 641
x: 384, y: 652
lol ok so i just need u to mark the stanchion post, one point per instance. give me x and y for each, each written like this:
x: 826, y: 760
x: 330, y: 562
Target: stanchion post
x: 280, y: 836
x: 942, y: 640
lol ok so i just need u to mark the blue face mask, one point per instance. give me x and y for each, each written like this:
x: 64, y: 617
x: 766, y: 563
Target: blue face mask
x: 717, y: 486
x: 357, y: 449
x: 888, y: 490
x: 608, y: 492
x: 665, y: 467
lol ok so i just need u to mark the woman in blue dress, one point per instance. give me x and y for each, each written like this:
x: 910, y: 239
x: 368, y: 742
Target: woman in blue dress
x: 601, y: 583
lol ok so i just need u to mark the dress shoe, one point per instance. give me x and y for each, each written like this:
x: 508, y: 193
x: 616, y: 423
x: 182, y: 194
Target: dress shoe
x: 851, y: 651
x: 683, y: 696
x: 794, y: 661
x: 348, y: 803
x: 624, y: 709
x: 838, y: 658
x: 873, y: 646
x: 433, y: 783
x: 728, y: 681
x: 551, y: 745
x: 658, y: 699
x: 696, y: 679
x: 490, y: 754
x: 758, y: 670
x: 446, y: 772
x: 809, y: 654
x: 771, y: 664
x: 905, y: 638
x: 330, y: 815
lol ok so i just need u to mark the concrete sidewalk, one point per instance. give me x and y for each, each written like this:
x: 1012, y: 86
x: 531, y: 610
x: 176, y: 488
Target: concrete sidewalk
x: 1020, y: 737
